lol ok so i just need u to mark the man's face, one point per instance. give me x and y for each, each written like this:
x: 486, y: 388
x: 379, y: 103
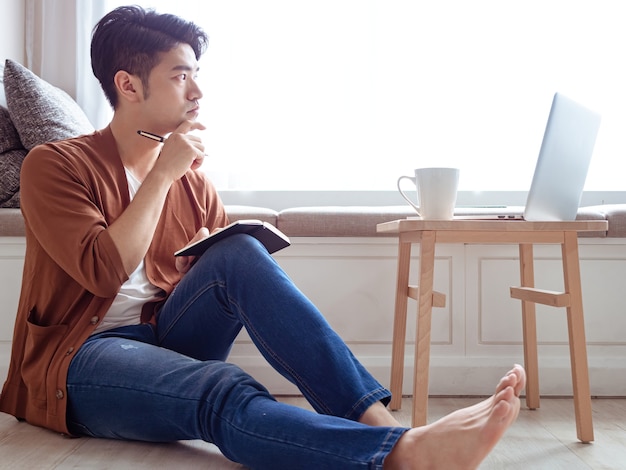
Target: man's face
x: 172, y: 94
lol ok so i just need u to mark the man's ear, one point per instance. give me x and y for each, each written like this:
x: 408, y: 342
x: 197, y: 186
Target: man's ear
x: 129, y: 87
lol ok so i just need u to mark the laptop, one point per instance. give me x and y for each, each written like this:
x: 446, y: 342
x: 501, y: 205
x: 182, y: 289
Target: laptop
x: 561, y: 168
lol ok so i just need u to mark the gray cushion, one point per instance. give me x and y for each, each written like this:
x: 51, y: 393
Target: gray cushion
x: 11, y: 155
x: 615, y: 214
x: 592, y: 213
x: 10, y: 165
x: 41, y: 112
x: 339, y: 221
x: 9, y: 138
x: 11, y: 223
x: 250, y: 212
x: 13, y: 202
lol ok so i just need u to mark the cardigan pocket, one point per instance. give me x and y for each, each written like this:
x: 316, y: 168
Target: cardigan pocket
x: 41, y: 344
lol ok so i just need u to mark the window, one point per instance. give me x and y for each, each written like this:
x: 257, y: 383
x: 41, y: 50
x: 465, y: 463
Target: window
x: 350, y: 94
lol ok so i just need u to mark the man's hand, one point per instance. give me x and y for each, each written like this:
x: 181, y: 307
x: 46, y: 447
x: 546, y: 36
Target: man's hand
x: 181, y: 151
x: 184, y: 263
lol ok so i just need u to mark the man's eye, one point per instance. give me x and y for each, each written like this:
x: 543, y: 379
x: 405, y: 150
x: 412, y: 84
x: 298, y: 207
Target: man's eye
x: 183, y: 76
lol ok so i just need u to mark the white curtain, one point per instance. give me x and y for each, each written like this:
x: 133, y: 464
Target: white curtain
x: 58, y: 34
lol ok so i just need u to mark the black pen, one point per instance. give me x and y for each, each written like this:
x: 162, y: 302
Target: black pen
x: 150, y: 135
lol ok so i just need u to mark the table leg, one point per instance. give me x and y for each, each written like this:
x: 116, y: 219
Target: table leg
x: 577, y: 341
x: 529, y: 327
x: 399, y: 325
x: 422, y: 337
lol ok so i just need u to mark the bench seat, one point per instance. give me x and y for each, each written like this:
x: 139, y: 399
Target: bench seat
x: 347, y: 221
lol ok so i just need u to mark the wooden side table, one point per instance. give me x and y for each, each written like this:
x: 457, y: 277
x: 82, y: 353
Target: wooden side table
x: 525, y: 234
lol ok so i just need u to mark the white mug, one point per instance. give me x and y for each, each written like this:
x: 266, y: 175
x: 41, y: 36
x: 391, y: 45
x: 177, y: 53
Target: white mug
x: 436, y: 192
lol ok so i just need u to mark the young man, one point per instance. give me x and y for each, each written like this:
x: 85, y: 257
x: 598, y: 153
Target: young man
x: 115, y: 338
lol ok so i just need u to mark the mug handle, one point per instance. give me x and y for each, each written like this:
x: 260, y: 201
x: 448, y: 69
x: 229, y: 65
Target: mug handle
x: 414, y: 181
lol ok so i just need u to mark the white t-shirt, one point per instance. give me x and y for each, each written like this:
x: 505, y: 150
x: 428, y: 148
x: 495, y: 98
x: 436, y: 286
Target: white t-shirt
x: 134, y: 293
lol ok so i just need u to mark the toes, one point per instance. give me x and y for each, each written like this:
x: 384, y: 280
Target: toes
x: 520, y: 374
x: 501, y: 411
x: 509, y: 380
x: 505, y: 408
x: 515, y: 378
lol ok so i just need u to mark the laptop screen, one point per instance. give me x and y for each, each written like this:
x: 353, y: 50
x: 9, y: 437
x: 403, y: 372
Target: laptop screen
x: 563, y: 161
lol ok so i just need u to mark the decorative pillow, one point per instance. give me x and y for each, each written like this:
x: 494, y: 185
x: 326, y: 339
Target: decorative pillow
x: 11, y: 155
x: 10, y: 165
x: 9, y: 139
x: 13, y: 203
x: 41, y: 112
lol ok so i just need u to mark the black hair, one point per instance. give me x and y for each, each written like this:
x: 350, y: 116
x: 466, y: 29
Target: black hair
x: 131, y: 38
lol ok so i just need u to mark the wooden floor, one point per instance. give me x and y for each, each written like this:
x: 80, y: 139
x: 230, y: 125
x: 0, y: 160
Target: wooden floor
x: 540, y: 439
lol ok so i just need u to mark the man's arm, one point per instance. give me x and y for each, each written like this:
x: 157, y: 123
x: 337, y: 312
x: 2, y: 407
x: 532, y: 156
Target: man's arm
x: 132, y: 232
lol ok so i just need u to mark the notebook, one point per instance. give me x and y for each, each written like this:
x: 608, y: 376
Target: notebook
x: 562, y: 165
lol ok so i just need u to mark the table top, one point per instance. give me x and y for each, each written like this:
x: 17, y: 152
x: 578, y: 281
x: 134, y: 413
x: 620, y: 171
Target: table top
x: 417, y: 225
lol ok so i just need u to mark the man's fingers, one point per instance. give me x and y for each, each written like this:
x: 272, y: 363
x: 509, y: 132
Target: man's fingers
x: 188, y: 126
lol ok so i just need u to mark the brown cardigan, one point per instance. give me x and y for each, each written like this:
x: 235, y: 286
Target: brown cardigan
x: 71, y: 191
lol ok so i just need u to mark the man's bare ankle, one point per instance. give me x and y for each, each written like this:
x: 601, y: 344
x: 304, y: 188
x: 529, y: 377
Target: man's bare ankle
x: 378, y: 415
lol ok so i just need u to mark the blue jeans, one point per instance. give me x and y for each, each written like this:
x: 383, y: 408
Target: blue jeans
x: 171, y: 382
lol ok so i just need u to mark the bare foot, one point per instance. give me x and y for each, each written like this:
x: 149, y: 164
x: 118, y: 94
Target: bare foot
x: 461, y: 440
